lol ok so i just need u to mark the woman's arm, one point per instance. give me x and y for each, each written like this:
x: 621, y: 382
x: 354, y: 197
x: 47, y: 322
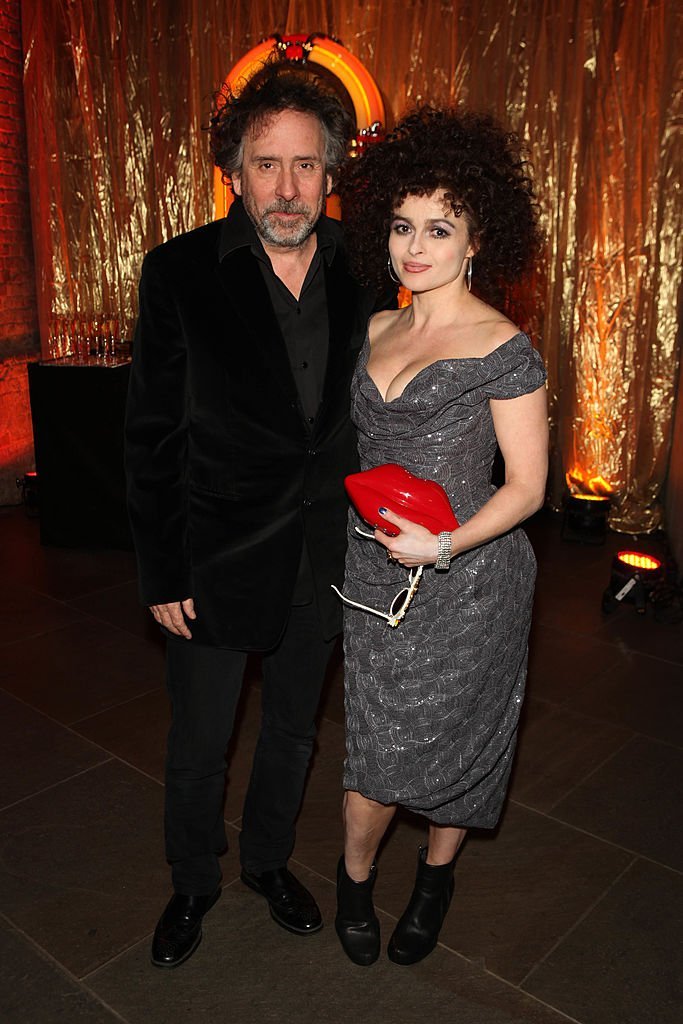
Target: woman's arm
x: 521, y: 426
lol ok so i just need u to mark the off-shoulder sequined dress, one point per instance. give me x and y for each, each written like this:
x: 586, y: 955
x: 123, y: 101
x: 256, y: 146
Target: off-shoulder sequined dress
x: 432, y: 706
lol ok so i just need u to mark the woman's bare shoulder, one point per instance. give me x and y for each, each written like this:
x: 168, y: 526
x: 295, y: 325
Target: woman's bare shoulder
x: 381, y: 322
x: 490, y: 331
x: 501, y: 331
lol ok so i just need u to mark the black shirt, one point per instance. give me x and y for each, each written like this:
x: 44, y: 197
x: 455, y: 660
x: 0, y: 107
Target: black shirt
x: 304, y: 325
x: 303, y: 321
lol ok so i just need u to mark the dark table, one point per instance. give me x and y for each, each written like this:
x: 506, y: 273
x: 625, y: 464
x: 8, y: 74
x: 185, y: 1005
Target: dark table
x: 78, y: 412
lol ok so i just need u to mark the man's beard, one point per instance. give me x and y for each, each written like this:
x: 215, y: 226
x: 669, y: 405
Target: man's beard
x: 274, y: 232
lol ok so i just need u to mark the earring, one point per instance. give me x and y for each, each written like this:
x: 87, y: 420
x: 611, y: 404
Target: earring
x: 390, y: 268
x: 468, y: 276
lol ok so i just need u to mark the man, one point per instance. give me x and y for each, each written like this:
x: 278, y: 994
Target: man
x: 238, y: 440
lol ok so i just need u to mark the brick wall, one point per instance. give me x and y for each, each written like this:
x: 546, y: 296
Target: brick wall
x: 18, y: 319
x: 674, y: 483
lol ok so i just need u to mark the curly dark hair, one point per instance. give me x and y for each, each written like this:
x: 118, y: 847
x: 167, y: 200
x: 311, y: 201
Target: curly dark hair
x: 485, y: 179
x: 279, y: 85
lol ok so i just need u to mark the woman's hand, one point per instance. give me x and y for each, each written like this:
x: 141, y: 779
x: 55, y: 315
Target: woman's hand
x: 415, y: 545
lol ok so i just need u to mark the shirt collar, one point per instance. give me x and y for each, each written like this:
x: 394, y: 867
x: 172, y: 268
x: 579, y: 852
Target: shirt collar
x: 238, y: 232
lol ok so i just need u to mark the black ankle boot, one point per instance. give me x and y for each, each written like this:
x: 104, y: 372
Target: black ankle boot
x: 356, y: 922
x: 417, y: 931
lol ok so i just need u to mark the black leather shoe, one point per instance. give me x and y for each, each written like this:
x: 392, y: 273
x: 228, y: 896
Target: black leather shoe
x: 179, y: 930
x: 291, y: 905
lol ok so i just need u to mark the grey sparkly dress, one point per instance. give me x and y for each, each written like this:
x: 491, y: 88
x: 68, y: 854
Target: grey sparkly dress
x: 432, y: 706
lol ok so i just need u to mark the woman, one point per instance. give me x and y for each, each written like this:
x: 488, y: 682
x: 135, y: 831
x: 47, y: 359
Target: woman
x: 432, y: 706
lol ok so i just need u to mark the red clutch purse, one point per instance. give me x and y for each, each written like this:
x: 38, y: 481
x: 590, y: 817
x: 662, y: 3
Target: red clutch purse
x: 393, y: 487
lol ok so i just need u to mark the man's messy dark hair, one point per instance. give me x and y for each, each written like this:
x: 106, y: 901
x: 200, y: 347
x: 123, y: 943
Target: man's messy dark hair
x: 278, y: 86
x: 480, y: 168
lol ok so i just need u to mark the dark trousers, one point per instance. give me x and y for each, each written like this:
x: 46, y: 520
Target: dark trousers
x: 204, y: 685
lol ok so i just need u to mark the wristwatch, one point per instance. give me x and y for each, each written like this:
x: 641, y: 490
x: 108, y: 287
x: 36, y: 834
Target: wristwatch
x: 443, y: 561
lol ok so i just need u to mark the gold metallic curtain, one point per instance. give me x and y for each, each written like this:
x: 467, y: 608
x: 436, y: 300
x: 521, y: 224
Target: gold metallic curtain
x: 117, y: 93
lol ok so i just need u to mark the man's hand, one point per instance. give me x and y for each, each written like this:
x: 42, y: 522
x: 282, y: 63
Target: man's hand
x: 172, y: 616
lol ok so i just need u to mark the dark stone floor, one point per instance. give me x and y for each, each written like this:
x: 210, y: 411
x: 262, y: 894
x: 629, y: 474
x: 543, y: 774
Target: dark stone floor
x: 573, y: 911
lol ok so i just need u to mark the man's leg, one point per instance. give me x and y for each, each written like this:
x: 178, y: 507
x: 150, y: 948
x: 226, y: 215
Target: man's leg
x: 204, y: 685
x: 293, y: 678
x: 293, y: 675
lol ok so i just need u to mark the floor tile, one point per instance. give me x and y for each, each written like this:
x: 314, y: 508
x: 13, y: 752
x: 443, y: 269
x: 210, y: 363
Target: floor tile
x: 250, y: 970
x: 24, y: 613
x: 553, y: 900
x: 121, y: 607
x: 633, y: 800
x: 638, y: 692
x: 516, y: 893
x: 571, y: 603
x: 56, y: 572
x: 568, y: 557
x: 134, y: 731
x: 642, y: 633
x: 81, y: 669
x: 82, y: 870
x: 557, y: 749
x: 621, y: 965
x: 559, y: 661
x: 36, y: 752
x: 33, y: 989
x: 575, y: 556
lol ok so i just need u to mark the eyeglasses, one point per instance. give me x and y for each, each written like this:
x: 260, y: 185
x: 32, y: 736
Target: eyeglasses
x: 399, y: 606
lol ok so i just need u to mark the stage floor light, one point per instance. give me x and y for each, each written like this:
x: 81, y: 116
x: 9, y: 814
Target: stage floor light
x: 585, y: 518
x: 28, y: 485
x: 634, y: 574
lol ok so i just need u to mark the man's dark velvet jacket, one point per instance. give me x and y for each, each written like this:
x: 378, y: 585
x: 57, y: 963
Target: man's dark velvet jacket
x: 224, y: 475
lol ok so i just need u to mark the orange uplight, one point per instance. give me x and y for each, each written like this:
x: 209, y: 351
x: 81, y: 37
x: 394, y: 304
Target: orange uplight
x: 574, y: 478
x: 598, y: 485
x: 405, y: 297
x: 579, y: 486
x: 636, y: 560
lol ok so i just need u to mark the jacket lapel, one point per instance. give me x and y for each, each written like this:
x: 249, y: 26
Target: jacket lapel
x: 261, y: 339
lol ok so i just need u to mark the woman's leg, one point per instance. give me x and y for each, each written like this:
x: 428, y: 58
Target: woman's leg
x: 365, y: 822
x: 417, y: 931
x: 356, y: 923
x: 444, y: 843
